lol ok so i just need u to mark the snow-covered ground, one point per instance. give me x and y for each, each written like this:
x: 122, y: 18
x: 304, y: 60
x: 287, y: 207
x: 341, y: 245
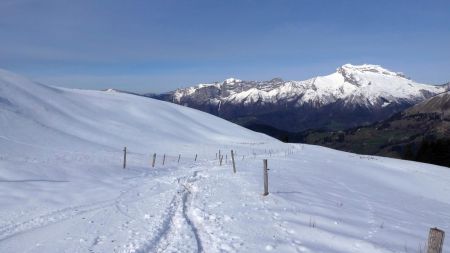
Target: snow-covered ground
x: 63, y: 188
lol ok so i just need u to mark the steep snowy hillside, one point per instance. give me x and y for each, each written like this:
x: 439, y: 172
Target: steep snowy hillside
x: 367, y: 92
x: 63, y: 188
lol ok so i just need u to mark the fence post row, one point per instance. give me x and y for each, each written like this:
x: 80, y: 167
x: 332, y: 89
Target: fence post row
x: 266, y: 178
x: 124, y: 157
x: 232, y: 160
x: 435, y: 240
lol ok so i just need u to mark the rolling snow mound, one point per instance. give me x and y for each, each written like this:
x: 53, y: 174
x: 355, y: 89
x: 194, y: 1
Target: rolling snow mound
x: 50, y: 116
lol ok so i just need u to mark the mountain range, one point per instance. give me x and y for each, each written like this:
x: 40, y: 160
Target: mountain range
x: 354, y: 95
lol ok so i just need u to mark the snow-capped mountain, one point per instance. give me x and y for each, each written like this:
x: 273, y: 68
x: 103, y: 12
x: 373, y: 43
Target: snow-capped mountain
x: 354, y: 94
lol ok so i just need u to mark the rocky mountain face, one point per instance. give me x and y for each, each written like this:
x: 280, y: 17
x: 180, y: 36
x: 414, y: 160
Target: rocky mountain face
x: 438, y: 105
x: 420, y: 133
x: 352, y: 96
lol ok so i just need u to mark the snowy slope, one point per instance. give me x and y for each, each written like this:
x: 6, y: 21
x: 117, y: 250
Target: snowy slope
x: 62, y: 187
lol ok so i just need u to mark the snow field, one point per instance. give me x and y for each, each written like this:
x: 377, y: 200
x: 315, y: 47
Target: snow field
x: 63, y: 189
x: 320, y: 201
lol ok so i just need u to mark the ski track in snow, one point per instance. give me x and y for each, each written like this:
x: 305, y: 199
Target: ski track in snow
x: 181, y: 222
x: 56, y: 216
x: 9, y: 231
x: 177, y: 215
x: 169, y: 237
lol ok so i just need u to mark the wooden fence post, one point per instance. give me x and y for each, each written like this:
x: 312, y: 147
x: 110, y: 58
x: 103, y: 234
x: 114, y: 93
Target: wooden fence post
x: 195, y: 158
x: 154, y: 159
x: 232, y: 160
x: 124, y: 157
x: 179, y: 156
x: 266, y: 178
x: 164, y: 159
x: 435, y: 240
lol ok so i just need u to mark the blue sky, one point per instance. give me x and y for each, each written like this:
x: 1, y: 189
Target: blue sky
x: 156, y: 46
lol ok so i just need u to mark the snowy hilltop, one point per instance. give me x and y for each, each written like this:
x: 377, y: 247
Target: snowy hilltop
x: 64, y: 189
x: 368, y: 92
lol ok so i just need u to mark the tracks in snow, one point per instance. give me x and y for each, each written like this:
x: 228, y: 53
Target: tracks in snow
x: 156, y: 214
x: 174, y: 231
x: 13, y: 229
x: 9, y: 231
x: 178, y: 231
